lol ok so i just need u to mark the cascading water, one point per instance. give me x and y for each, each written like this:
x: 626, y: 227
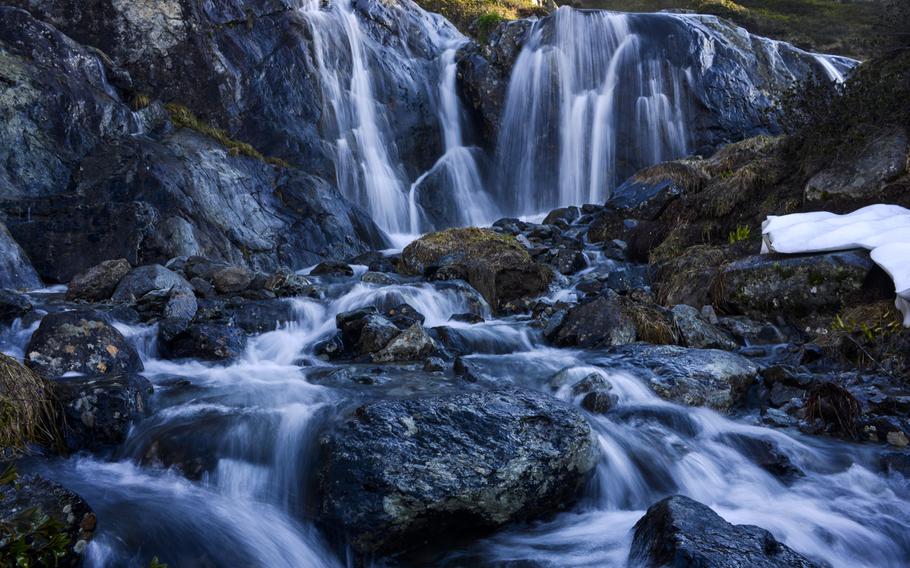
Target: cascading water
x: 595, y: 96
x: 583, y: 98
x: 461, y: 185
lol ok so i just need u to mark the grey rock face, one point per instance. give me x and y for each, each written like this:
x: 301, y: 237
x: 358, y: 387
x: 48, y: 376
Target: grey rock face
x: 16, y: 271
x: 412, y: 344
x: 884, y: 159
x: 696, y: 332
x: 98, y: 282
x: 82, y: 341
x: 681, y: 533
x: 398, y: 472
x: 598, y: 323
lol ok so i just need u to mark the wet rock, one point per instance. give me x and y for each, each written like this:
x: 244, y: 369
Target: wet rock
x: 680, y: 532
x: 466, y: 369
x: 81, y: 341
x: 601, y: 322
x: 202, y: 288
x: 766, y: 455
x: 30, y: 499
x: 13, y: 305
x: 287, y: 284
x: 232, y: 280
x: 794, y: 284
x: 412, y: 344
x: 377, y: 278
x: 627, y: 278
x: 201, y: 267
x: 351, y: 323
x: 181, y: 305
x: 467, y: 318
x: 752, y: 332
x: 434, y: 364
x: 260, y: 316
x: 208, y: 341
x: 400, y: 472
x: 496, y: 265
x: 598, y: 401
x: 330, y: 349
x: 697, y: 332
x: 98, y: 282
x: 403, y: 315
x: 567, y: 214
x: 882, y: 159
x: 647, y: 194
x: 569, y: 261
x: 154, y: 277
x: 375, y: 334
x: 896, y: 462
x: 332, y: 268
x: 376, y: 261
x: 100, y: 410
x: 693, y: 377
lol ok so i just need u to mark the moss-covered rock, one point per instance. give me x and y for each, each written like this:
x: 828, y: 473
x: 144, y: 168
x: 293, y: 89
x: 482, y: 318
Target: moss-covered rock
x: 495, y: 264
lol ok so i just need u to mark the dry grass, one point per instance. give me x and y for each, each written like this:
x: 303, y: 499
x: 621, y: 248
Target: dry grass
x: 184, y: 118
x: 652, y: 324
x: 28, y: 409
x: 687, y: 175
x: 486, y: 13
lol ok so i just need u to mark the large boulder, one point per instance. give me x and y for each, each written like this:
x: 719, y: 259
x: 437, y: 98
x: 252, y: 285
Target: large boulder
x: 152, y: 278
x: 208, y: 341
x: 412, y: 344
x: 98, y: 282
x: 80, y: 341
x: 399, y: 472
x: 13, y: 305
x: 100, y: 410
x: 793, y: 284
x: 681, y: 533
x: 611, y: 320
x: 45, y: 524
x: 495, y: 264
x: 693, y: 377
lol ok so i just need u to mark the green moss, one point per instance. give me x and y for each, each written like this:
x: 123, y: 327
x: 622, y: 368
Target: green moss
x: 486, y: 23
x: 184, y: 118
x: 741, y: 233
x: 481, y: 17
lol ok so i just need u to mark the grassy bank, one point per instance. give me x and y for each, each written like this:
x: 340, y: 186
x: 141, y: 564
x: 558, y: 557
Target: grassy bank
x: 856, y: 28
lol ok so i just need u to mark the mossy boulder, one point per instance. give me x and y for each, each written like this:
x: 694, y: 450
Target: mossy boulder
x: 793, y: 285
x: 611, y: 320
x: 495, y: 264
x: 80, y: 341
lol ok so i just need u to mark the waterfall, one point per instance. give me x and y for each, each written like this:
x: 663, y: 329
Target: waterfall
x: 584, y: 98
x: 455, y: 178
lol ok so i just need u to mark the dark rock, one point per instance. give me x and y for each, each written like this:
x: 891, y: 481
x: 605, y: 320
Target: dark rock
x: 330, y: 349
x: 98, y: 282
x: 285, y: 285
x: 208, y: 341
x: 259, y: 316
x: 598, y: 401
x: 680, y: 532
x: 693, y: 377
x: 13, y: 305
x: 232, y: 280
x: 466, y: 369
x: 375, y: 334
x: 202, y: 288
x: 404, y: 315
x: 434, y: 364
x: 598, y: 323
x: 628, y: 277
x: 376, y: 261
x: 378, y: 278
x: 794, y: 284
x: 400, y: 472
x: 181, y: 305
x: 896, y: 462
x: 28, y: 500
x: 467, y: 318
x: 140, y: 281
x: 412, y: 344
x: 567, y: 214
x: 332, y: 268
x: 765, y: 454
x: 100, y: 410
x: 81, y: 341
x: 569, y: 261
x: 202, y: 267
x: 696, y: 332
x: 496, y: 265
x: 351, y: 323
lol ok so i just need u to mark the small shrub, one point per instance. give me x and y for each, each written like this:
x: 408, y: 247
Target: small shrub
x: 742, y: 233
x: 30, y: 538
x: 140, y: 101
x: 486, y: 23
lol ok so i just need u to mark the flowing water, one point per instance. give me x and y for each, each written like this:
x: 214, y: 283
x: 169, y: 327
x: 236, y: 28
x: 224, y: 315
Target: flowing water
x: 246, y: 436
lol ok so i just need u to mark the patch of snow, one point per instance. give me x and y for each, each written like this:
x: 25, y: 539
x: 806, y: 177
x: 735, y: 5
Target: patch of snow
x: 882, y: 229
